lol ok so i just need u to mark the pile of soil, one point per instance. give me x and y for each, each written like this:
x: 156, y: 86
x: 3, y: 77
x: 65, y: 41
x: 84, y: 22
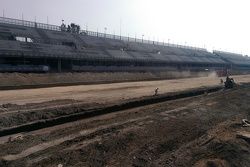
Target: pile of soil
x: 21, y: 79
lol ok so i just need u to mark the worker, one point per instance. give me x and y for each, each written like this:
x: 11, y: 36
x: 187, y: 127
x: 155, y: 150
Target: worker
x: 229, y: 84
x: 221, y: 81
x: 156, y: 91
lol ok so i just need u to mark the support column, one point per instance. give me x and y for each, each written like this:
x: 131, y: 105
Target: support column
x: 59, y: 65
x: 71, y: 65
x: 45, y: 61
x: 24, y: 60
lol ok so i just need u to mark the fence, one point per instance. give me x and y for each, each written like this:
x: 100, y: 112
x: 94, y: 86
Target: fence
x: 130, y: 39
x: 29, y: 24
x: 91, y: 33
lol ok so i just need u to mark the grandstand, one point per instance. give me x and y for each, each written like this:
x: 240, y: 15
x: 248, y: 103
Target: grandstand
x: 237, y: 61
x: 30, y: 45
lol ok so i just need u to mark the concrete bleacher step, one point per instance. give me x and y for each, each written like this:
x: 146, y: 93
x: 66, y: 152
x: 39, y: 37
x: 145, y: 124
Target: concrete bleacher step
x: 120, y: 54
x: 107, y: 53
x: 79, y: 39
x: 43, y: 35
x: 31, y: 46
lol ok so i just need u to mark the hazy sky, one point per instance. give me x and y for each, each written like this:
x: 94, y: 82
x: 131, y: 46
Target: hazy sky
x: 218, y: 24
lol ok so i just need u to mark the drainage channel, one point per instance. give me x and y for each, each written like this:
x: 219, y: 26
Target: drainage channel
x: 95, y: 112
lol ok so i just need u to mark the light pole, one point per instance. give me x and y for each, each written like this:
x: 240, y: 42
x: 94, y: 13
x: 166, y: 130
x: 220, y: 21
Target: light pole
x: 168, y: 42
x: 105, y: 30
x: 63, y: 27
x: 142, y: 38
x: 22, y: 19
x: 120, y: 28
x: 35, y: 23
x: 86, y: 27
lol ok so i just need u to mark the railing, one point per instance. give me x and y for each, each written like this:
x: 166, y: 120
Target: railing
x: 92, y: 33
x: 29, y: 24
x: 130, y: 39
x: 224, y: 52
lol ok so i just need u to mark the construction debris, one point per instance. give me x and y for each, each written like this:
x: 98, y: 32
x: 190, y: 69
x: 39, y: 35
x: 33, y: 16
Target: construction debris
x: 245, y: 136
x: 245, y: 123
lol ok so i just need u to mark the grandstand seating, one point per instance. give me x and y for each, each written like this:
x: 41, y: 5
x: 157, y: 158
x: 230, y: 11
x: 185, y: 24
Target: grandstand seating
x: 236, y: 59
x: 98, y: 49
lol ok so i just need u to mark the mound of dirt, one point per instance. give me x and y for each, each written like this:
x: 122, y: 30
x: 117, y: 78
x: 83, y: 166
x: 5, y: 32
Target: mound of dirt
x: 219, y: 147
x: 20, y: 79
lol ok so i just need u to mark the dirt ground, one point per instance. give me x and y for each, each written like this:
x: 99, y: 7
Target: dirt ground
x: 107, y: 93
x: 19, y: 107
x: 201, y: 131
x: 198, y: 131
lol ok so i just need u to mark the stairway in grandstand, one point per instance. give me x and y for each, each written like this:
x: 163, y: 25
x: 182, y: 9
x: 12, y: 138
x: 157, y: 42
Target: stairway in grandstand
x: 79, y: 39
x: 43, y: 35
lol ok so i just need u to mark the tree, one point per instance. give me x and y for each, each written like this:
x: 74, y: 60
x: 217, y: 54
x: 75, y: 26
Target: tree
x: 69, y: 28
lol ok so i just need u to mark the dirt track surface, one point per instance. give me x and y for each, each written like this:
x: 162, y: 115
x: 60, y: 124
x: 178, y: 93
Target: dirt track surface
x: 20, y: 107
x: 109, y: 93
x: 201, y: 131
